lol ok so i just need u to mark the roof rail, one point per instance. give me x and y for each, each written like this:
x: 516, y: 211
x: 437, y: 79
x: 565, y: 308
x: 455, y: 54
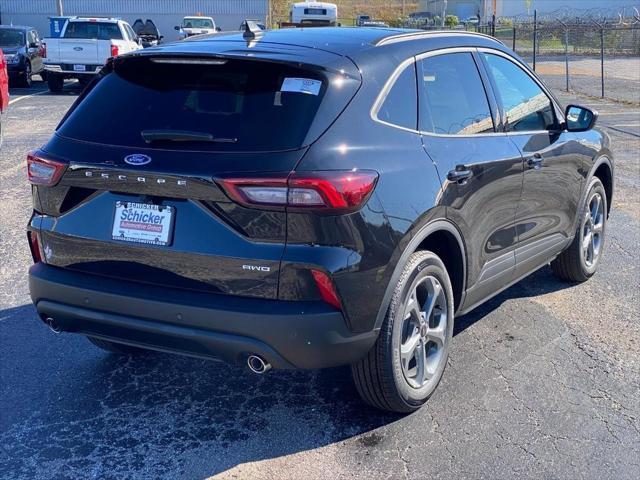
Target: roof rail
x: 403, y: 37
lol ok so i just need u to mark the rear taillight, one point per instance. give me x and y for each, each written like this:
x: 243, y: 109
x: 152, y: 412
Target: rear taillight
x: 44, y: 50
x: 327, y: 191
x: 42, y: 171
x: 34, y: 246
x: 114, y: 50
x: 326, y: 288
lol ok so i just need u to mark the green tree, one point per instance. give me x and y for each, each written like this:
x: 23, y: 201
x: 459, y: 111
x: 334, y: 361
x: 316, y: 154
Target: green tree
x: 451, y: 21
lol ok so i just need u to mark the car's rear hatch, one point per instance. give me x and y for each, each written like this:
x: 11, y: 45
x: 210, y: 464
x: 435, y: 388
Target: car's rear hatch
x: 139, y: 200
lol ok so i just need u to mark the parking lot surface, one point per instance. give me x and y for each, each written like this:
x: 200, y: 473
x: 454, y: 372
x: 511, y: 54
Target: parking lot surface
x: 543, y: 381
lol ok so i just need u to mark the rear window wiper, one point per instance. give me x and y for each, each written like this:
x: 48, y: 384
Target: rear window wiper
x: 151, y: 136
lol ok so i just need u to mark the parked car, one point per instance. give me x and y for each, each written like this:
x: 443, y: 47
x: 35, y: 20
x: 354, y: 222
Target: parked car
x: 84, y: 46
x: 23, y: 52
x: 4, y: 90
x: 361, y: 19
x: 312, y: 207
x: 147, y: 32
x: 197, y: 25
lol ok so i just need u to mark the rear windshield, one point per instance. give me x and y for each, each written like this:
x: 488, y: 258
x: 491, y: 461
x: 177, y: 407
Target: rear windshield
x: 101, y: 31
x: 242, y: 105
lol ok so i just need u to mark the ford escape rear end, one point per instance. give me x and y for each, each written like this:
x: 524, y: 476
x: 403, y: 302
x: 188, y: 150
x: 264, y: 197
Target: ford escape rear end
x: 307, y: 199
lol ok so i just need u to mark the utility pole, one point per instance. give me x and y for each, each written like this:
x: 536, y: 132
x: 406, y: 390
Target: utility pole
x: 444, y: 11
x: 59, y: 10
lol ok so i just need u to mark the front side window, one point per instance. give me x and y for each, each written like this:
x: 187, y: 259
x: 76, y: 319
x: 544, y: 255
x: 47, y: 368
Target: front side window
x: 400, y: 107
x: 526, y: 105
x: 452, y: 97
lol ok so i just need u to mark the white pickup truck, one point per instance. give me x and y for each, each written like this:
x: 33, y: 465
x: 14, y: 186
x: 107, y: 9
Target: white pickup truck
x: 84, y: 46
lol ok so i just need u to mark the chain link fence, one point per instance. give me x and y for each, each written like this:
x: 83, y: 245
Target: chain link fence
x: 594, y: 59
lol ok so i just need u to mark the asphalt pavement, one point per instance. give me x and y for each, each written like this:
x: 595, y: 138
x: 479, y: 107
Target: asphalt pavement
x: 543, y: 381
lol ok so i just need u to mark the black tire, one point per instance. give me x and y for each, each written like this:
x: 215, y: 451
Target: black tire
x: 117, y: 348
x: 380, y: 377
x: 573, y: 264
x: 25, y: 79
x: 55, y: 82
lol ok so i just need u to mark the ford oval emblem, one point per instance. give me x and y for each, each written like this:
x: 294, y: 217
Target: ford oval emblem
x: 137, y: 159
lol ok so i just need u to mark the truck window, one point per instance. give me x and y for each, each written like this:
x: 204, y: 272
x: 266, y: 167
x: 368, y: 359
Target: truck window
x: 100, y: 31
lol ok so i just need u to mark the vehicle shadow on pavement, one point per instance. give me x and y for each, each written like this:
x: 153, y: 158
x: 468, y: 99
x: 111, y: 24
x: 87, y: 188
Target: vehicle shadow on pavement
x: 70, y: 89
x: 538, y: 283
x: 69, y: 409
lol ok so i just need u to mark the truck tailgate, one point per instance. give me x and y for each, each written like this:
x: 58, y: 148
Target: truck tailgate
x: 81, y: 50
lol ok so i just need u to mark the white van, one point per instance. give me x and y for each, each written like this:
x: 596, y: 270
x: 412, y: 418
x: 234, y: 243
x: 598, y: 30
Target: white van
x: 315, y: 13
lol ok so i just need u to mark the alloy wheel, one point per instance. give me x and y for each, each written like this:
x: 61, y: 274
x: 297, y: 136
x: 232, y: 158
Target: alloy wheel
x: 593, y: 230
x: 424, y: 332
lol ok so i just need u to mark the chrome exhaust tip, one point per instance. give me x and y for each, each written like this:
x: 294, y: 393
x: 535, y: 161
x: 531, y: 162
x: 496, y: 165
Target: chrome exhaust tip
x: 53, y: 325
x: 257, y: 364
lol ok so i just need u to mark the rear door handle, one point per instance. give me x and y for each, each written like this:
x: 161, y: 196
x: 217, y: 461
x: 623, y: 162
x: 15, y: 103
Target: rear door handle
x: 535, y: 161
x: 461, y: 174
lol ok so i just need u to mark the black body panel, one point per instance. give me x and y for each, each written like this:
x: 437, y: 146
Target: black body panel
x: 238, y: 280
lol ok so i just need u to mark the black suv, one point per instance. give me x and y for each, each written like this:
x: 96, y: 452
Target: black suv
x: 24, y: 52
x: 311, y: 198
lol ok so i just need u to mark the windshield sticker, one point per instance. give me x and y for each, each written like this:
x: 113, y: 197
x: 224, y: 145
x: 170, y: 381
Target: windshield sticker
x: 301, y: 85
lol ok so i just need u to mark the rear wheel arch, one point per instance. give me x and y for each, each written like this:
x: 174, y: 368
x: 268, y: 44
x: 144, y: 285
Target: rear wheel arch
x: 442, y: 238
x: 603, y: 170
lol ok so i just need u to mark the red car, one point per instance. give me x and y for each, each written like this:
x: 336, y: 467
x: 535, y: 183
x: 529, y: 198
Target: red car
x: 4, y: 89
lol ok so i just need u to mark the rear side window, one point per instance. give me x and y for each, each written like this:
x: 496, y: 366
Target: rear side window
x: 242, y: 105
x: 526, y: 105
x: 101, y: 31
x: 452, y: 97
x: 400, y: 107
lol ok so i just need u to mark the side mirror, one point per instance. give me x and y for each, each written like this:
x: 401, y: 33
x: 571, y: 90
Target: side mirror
x: 176, y: 28
x: 218, y: 29
x: 579, y: 119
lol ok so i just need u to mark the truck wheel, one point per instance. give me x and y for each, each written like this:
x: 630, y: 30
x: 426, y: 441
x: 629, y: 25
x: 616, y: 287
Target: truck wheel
x: 55, y: 82
x: 406, y: 363
x: 25, y: 79
x: 117, y: 348
x: 580, y: 261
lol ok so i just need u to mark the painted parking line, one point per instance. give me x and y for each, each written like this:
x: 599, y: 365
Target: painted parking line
x: 22, y: 97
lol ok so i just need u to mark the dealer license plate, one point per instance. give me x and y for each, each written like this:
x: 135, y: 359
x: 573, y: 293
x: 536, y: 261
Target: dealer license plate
x: 143, y: 223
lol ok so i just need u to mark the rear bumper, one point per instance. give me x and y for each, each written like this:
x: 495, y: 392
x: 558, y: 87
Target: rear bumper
x: 286, y: 334
x: 67, y: 69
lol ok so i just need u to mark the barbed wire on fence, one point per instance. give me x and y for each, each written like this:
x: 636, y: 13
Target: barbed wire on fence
x: 602, y: 15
